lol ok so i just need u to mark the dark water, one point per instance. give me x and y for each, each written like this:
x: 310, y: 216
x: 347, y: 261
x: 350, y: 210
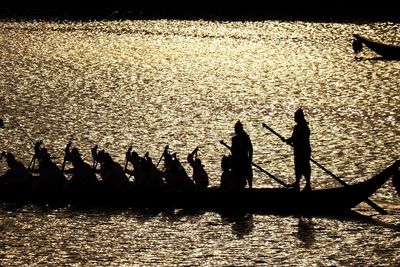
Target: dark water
x: 185, y: 83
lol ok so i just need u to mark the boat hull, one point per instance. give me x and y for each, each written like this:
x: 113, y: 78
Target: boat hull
x: 258, y: 200
x: 385, y: 50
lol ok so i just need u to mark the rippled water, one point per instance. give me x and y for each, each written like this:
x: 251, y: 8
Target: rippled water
x: 185, y: 83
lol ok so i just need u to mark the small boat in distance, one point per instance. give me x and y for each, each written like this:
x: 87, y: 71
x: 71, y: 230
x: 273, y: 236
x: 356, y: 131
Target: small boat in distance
x: 387, y: 51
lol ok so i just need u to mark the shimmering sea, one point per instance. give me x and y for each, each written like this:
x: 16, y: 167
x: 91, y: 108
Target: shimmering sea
x: 149, y: 83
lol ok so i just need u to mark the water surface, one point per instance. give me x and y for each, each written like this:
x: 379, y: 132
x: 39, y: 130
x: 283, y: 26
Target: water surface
x: 185, y: 84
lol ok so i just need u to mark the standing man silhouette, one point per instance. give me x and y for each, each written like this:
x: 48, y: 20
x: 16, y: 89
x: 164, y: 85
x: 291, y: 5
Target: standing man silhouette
x: 300, y: 140
x: 242, y: 156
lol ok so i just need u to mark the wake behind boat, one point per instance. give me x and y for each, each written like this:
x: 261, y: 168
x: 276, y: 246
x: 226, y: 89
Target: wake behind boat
x: 387, y: 51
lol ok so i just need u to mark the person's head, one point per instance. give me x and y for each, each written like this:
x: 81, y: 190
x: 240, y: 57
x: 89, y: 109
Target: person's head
x: 198, y: 162
x: 101, y: 156
x: 45, y: 155
x: 10, y: 159
x: 135, y: 156
x: 238, y: 127
x: 107, y: 158
x: 167, y: 158
x: 76, y: 156
x: 299, y: 116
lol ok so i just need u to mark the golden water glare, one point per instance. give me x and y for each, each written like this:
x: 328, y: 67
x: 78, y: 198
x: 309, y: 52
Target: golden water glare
x: 185, y: 84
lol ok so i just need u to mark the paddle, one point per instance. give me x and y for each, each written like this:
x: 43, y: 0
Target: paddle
x: 368, y: 201
x: 37, y: 148
x: 127, y: 156
x: 162, y: 155
x: 261, y: 169
x: 93, y: 151
x: 66, y: 155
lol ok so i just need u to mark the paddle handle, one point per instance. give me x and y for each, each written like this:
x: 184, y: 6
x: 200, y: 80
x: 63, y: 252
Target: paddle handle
x: 162, y: 155
x: 273, y: 131
x: 258, y: 167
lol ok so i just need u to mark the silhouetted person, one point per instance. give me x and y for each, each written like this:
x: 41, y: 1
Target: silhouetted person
x: 228, y: 181
x: 147, y: 176
x: 51, y: 180
x: 242, y: 156
x: 200, y: 176
x: 300, y: 140
x: 112, y: 174
x: 83, y: 179
x: 175, y: 175
x: 17, y: 179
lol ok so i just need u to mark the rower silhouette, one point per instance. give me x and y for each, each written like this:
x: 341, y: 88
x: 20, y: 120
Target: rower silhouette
x: 83, y: 179
x: 199, y: 176
x: 175, y: 175
x: 51, y: 179
x: 17, y: 179
x: 112, y: 173
x: 147, y: 176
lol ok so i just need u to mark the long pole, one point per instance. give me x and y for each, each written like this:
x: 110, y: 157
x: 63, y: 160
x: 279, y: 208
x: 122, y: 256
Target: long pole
x: 66, y: 156
x: 127, y: 156
x: 259, y: 167
x: 368, y: 201
x: 162, y: 155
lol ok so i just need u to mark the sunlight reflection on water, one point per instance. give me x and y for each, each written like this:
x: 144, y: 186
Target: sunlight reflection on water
x: 185, y: 83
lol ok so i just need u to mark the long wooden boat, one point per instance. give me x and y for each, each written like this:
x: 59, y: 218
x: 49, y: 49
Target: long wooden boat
x: 259, y: 200
x: 387, y: 51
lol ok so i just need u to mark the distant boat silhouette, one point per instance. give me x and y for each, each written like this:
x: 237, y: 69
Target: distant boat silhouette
x: 387, y: 51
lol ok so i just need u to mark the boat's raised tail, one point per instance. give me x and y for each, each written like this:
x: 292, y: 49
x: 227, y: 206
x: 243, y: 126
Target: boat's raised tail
x: 348, y: 197
x: 373, y: 184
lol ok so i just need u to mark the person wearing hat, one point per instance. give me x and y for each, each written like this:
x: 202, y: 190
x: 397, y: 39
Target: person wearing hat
x: 242, y: 156
x: 300, y: 140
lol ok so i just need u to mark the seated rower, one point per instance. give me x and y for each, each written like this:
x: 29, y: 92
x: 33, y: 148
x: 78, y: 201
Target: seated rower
x: 51, y: 180
x: 228, y: 181
x: 175, y: 175
x: 83, y: 179
x: 17, y: 178
x: 112, y: 174
x: 147, y: 176
x: 200, y: 176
